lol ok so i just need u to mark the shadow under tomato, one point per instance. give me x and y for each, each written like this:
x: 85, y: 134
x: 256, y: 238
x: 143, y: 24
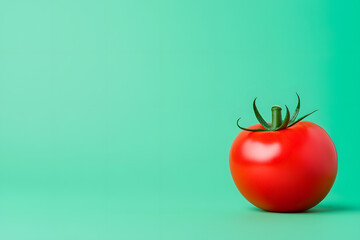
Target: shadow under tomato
x: 329, y: 208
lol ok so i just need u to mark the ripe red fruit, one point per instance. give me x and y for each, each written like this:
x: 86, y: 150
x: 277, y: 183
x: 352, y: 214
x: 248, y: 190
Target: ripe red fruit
x: 286, y: 170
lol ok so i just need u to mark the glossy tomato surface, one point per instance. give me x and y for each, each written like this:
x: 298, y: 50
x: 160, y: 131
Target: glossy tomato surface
x: 289, y: 170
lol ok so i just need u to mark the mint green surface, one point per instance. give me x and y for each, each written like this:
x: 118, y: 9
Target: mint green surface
x: 116, y: 117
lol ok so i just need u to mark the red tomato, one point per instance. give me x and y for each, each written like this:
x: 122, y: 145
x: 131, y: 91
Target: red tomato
x: 289, y: 170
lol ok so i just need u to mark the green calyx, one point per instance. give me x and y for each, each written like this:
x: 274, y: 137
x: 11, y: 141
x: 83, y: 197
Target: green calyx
x: 277, y: 122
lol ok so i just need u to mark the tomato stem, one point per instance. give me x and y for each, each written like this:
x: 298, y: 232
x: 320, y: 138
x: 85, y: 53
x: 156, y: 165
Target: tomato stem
x: 277, y: 122
x: 276, y: 117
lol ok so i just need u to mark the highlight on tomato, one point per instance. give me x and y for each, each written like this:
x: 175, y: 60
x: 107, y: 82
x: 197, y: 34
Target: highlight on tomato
x: 288, y: 165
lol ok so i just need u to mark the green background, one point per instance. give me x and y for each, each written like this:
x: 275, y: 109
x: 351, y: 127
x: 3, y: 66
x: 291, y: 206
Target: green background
x: 116, y: 117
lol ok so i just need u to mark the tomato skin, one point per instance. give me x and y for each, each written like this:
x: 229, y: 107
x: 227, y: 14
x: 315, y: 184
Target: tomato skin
x: 289, y: 170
